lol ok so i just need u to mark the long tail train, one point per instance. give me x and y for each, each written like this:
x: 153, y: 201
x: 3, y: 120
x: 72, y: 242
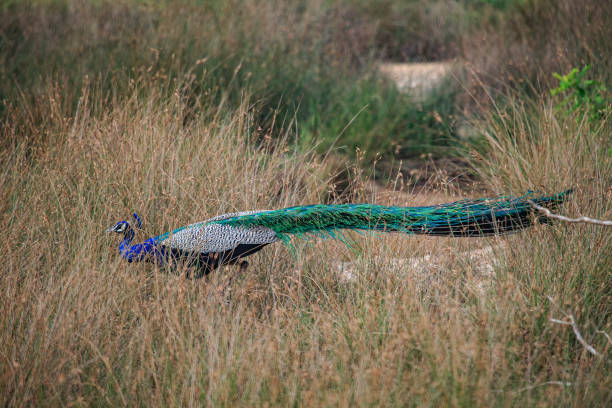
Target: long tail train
x: 465, y: 218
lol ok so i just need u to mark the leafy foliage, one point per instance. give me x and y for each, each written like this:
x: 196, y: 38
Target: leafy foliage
x: 582, y: 95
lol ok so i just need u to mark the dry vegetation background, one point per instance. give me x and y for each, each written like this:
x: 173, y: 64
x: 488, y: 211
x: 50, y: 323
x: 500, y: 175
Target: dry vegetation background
x: 186, y: 110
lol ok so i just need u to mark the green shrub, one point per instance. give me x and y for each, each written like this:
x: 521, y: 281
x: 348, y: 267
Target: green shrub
x: 582, y: 95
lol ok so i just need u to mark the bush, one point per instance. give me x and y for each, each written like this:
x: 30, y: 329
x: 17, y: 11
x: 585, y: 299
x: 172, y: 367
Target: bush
x: 586, y: 96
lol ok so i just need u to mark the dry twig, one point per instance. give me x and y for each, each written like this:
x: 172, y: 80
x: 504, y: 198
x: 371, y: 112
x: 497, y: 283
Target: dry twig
x: 574, y: 326
x: 584, y: 219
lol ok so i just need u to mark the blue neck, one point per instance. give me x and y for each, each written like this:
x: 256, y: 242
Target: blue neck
x: 124, y: 245
x: 137, y: 252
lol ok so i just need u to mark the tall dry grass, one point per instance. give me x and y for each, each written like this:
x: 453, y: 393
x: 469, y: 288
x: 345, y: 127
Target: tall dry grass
x: 393, y: 320
x: 68, y: 302
x: 390, y: 320
x: 531, y: 145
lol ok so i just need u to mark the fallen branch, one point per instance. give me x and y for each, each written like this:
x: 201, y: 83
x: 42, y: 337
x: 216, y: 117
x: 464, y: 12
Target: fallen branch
x: 574, y: 326
x: 584, y: 219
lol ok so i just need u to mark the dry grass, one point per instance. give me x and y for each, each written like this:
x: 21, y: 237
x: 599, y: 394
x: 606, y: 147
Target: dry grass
x: 79, y: 326
x: 421, y: 321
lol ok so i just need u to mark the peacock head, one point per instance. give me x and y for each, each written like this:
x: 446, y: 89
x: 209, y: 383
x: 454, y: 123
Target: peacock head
x: 125, y: 227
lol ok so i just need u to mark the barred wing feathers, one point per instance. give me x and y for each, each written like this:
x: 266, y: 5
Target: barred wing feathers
x: 210, y: 236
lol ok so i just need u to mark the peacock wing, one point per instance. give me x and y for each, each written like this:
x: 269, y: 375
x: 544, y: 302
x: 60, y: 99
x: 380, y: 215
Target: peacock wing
x: 205, y: 237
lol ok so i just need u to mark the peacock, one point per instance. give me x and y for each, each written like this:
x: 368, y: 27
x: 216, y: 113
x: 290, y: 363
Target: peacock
x: 228, y: 238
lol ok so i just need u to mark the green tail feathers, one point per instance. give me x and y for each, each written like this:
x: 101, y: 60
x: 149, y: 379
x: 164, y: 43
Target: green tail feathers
x: 465, y: 218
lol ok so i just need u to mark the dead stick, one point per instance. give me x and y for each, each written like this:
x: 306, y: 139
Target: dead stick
x: 587, y: 220
x: 574, y: 326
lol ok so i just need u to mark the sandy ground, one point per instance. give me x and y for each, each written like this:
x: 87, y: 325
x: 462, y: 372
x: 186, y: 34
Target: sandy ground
x: 432, y: 266
x: 417, y: 78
